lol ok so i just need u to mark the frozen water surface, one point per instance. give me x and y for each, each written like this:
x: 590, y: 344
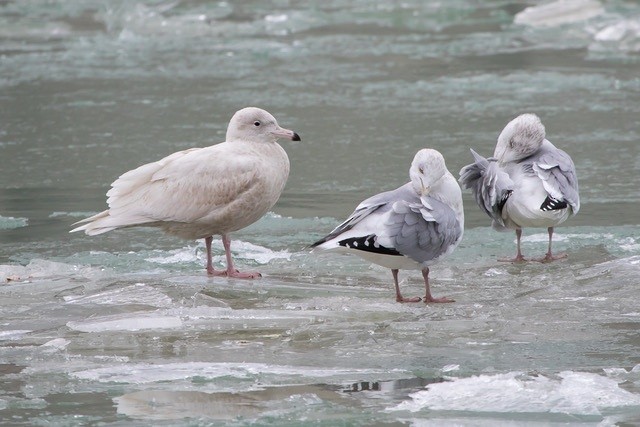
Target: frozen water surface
x: 126, y: 329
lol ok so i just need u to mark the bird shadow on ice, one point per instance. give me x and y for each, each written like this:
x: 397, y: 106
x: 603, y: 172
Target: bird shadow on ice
x: 494, y: 280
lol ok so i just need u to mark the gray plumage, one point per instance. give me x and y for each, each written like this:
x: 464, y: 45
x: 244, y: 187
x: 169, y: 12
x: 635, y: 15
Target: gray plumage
x: 419, y: 228
x: 423, y: 229
x: 557, y: 172
x: 411, y: 227
x: 527, y: 183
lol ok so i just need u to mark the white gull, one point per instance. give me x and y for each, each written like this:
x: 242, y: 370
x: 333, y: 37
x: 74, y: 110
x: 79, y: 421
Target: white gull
x: 411, y: 227
x: 527, y: 183
x: 201, y: 192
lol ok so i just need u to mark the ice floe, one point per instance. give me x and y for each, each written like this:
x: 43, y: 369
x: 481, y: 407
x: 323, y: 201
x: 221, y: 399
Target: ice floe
x: 578, y: 393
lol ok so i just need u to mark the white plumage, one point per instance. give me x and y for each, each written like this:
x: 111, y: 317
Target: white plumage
x: 411, y: 227
x: 201, y: 192
x: 527, y: 183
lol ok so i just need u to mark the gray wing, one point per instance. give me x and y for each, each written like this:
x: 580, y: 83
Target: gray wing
x: 558, y: 174
x: 490, y: 185
x: 422, y: 229
x: 382, y: 201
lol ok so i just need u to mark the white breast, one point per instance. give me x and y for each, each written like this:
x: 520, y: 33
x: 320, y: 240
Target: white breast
x: 522, y: 209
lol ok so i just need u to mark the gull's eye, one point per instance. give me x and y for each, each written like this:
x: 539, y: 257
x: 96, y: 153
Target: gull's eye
x: 421, y: 170
x: 256, y: 123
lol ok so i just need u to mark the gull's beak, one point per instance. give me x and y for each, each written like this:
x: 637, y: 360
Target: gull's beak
x: 286, y: 133
x: 424, y: 190
x: 500, y: 153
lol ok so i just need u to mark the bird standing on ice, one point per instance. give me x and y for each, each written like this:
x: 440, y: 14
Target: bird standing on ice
x: 201, y: 192
x: 527, y: 183
x: 411, y: 227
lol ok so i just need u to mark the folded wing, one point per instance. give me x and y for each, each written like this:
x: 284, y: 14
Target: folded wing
x: 186, y: 186
x: 558, y: 174
x: 423, y: 230
x: 398, y: 223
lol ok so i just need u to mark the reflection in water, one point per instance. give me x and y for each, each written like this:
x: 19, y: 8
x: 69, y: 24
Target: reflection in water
x: 164, y: 404
x: 168, y: 405
x: 161, y: 404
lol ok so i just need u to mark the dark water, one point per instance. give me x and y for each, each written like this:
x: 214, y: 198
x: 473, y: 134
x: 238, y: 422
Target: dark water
x: 126, y: 329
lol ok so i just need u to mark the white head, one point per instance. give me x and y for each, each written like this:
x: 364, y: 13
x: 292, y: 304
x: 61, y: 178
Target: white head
x: 520, y: 138
x: 426, y: 169
x: 256, y: 125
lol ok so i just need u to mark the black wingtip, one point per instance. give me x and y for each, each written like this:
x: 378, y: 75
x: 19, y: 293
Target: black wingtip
x: 318, y: 243
x: 296, y: 137
x: 368, y: 244
x: 551, y: 204
x: 504, y: 199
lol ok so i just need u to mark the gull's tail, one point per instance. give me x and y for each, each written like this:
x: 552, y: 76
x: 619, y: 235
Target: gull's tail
x: 490, y: 185
x: 104, y: 222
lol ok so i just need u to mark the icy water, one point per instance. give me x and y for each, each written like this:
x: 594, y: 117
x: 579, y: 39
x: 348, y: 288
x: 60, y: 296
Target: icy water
x: 126, y: 329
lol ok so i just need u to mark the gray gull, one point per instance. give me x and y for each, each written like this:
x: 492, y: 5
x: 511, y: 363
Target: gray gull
x: 201, y: 192
x: 527, y: 183
x: 411, y: 227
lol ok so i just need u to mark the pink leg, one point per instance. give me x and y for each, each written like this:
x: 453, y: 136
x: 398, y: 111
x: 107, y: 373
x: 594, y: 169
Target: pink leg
x: 428, y: 298
x: 519, y: 257
x: 210, y: 269
x: 231, y: 271
x: 549, y: 255
x: 399, y: 297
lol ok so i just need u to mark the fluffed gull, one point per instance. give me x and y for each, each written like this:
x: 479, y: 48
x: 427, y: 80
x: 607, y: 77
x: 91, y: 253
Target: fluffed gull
x: 201, y: 192
x: 411, y: 227
x: 527, y: 183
